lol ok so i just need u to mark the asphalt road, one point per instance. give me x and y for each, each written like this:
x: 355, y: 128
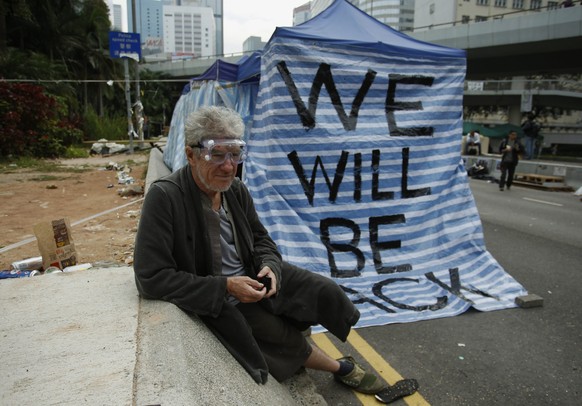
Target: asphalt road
x: 509, y: 357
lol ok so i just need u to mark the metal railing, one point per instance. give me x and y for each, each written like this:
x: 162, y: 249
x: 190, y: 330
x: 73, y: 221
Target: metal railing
x: 524, y: 84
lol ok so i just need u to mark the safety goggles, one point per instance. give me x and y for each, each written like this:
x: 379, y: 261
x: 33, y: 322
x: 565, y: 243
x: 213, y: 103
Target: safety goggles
x: 218, y: 151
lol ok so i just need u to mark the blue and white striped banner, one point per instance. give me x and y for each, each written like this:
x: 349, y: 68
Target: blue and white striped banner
x: 356, y: 172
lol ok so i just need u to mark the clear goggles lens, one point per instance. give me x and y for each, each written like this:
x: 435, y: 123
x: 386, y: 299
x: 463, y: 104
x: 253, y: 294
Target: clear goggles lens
x: 218, y: 151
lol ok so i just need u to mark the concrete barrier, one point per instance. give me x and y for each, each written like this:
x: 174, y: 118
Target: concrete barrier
x: 156, y: 168
x: 571, y: 172
x: 69, y: 338
x: 180, y: 362
x: 86, y: 337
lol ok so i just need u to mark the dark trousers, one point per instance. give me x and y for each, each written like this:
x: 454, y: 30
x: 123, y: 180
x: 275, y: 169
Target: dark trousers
x: 469, y: 147
x: 507, y: 174
x: 280, y: 340
x: 265, y: 337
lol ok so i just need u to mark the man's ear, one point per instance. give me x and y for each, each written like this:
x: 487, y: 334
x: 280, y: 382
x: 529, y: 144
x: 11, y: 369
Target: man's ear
x: 189, y: 153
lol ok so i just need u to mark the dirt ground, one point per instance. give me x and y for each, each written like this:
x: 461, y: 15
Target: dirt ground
x: 85, y: 191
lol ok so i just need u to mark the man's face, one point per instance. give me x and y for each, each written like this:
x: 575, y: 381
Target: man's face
x: 209, y: 175
x: 512, y: 135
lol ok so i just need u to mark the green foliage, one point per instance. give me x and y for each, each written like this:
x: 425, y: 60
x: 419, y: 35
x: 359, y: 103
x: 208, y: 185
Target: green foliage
x: 54, y: 65
x: 76, y: 152
x: 159, y: 96
x: 33, y: 123
x: 109, y: 128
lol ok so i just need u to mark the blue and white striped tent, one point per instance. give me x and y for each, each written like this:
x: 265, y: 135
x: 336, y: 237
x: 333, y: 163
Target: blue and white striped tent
x: 355, y: 168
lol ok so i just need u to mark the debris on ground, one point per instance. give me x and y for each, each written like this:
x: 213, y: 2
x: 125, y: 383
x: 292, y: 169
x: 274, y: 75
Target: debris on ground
x: 478, y: 170
x: 28, y: 263
x: 12, y: 273
x: 104, y: 147
x: 123, y: 171
x: 114, y: 166
x: 132, y: 190
x: 34, y: 266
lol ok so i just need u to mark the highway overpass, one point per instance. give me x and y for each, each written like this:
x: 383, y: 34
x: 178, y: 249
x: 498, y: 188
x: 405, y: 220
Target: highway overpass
x: 501, y: 53
x: 549, y: 41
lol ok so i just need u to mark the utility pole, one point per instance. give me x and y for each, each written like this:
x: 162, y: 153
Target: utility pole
x: 128, y: 105
x: 138, y: 106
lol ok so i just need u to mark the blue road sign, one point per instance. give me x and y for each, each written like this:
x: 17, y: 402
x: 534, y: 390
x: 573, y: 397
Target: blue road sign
x: 124, y: 45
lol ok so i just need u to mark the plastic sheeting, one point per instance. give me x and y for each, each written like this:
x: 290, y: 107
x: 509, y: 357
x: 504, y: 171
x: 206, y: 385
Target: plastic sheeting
x: 355, y: 169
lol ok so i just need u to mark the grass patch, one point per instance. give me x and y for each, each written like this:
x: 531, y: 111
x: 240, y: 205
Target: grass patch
x: 76, y: 152
x: 45, y: 178
x: 31, y: 164
x: 14, y: 165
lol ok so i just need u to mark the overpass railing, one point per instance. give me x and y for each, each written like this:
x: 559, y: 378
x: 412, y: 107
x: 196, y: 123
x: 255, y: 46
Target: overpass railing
x: 516, y: 84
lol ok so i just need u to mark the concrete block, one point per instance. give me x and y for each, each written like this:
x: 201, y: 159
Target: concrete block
x: 69, y: 338
x: 156, y: 168
x: 528, y: 301
x: 180, y: 362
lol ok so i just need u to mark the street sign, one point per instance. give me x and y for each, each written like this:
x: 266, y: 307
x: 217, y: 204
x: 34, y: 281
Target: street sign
x: 124, y: 45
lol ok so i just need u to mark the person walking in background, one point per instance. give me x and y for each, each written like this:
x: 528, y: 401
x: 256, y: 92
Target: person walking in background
x: 531, y: 130
x: 510, y: 149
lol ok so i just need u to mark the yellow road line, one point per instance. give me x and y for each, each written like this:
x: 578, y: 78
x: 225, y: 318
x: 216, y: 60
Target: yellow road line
x: 330, y: 349
x: 382, y: 367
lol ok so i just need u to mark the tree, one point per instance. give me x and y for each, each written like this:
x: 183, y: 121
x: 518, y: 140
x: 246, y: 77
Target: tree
x: 63, y: 45
x: 17, y: 10
x: 159, y: 95
x: 33, y: 122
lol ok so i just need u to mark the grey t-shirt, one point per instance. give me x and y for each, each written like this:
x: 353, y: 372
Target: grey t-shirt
x: 231, y: 264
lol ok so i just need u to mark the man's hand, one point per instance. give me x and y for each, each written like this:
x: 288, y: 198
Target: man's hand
x: 245, y: 289
x: 268, y: 273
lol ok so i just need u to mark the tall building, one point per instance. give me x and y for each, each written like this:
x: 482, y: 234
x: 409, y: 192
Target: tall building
x: 217, y: 9
x: 301, y: 13
x: 117, y: 18
x: 446, y: 13
x: 398, y: 14
x: 189, y: 31
x: 149, y: 23
x: 117, y: 15
x: 252, y: 44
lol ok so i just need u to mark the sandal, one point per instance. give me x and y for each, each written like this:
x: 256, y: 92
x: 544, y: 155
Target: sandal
x: 399, y: 390
x: 360, y: 380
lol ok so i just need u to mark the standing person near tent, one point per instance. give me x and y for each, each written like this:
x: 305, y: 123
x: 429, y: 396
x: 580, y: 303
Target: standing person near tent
x: 473, y: 140
x: 201, y: 246
x: 510, y: 148
x: 531, y: 130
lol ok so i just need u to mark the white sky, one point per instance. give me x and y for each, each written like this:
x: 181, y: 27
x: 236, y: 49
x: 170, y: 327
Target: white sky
x: 259, y: 18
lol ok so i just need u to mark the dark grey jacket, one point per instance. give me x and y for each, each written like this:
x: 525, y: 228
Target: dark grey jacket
x: 173, y: 250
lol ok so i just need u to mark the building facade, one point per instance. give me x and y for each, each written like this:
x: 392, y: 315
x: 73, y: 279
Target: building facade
x: 252, y: 44
x: 301, y: 13
x: 443, y: 13
x: 398, y: 14
x: 146, y: 17
x: 189, y: 31
x: 117, y: 15
x: 217, y: 10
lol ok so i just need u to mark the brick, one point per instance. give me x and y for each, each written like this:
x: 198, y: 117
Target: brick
x: 528, y: 301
